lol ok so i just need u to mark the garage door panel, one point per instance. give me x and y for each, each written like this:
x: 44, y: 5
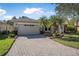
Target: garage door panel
x: 25, y: 30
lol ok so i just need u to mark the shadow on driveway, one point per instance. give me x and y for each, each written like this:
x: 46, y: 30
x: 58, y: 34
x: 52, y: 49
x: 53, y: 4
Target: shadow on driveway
x: 33, y: 36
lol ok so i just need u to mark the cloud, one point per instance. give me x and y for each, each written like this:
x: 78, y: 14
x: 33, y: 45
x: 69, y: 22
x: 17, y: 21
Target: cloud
x: 33, y: 10
x: 8, y: 17
x: 2, y: 12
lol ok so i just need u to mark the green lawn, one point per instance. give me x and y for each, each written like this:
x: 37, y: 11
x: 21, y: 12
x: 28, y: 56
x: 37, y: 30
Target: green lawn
x: 71, y: 40
x: 5, y: 44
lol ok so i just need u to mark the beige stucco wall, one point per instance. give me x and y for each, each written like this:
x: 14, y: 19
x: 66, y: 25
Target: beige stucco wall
x: 16, y: 24
x: 6, y: 27
x: 78, y: 29
x: 10, y: 28
x: 2, y: 27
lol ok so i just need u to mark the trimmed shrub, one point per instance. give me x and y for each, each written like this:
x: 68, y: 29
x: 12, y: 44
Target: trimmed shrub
x: 13, y: 32
x: 12, y: 35
x: 71, y: 29
x: 58, y: 35
x: 5, y: 32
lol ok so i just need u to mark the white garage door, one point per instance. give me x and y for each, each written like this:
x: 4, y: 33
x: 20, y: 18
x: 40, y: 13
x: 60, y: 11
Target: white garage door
x: 28, y: 29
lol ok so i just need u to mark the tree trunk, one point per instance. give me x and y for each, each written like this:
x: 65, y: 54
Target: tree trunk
x: 60, y: 28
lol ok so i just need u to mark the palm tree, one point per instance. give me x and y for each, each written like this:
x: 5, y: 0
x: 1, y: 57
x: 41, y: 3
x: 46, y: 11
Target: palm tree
x: 43, y: 23
x: 57, y: 23
x: 14, y: 17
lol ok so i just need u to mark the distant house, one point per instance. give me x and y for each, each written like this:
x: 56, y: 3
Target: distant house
x: 6, y: 27
x: 77, y: 25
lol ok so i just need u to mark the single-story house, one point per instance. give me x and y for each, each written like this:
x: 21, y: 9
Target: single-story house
x: 26, y: 26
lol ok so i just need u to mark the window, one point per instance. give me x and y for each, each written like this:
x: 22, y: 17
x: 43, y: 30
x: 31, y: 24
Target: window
x: 28, y: 25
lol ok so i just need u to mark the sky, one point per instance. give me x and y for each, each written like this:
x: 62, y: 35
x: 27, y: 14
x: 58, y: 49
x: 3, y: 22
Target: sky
x: 31, y: 10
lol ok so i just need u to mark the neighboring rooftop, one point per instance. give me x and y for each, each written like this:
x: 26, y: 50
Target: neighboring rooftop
x: 23, y: 19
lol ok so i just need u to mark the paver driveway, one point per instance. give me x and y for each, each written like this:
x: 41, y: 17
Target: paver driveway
x: 39, y: 45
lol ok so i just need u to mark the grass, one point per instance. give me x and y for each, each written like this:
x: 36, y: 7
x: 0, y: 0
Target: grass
x: 5, y: 44
x: 71, y: 40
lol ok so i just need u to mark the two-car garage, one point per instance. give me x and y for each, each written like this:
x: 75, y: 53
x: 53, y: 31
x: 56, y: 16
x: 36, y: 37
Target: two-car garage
x: 26, y: 29
x: 26, y: 26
